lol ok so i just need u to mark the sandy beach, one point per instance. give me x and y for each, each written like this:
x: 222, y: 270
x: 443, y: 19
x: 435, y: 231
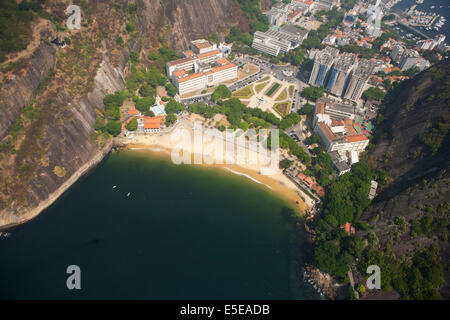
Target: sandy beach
x: 168, y: 144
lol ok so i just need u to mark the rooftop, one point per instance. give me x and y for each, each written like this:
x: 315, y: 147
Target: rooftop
x: 203, y: 45
x: 307, y: 2
x: 179, y: 61
x: 210, y: 53
x: 327, y: 131
x: 320, y: 108
x: 153, y: 122
x: 179, y: 73
x: 356, y: 138
x: 364, y: 69
x: 327, y: 55
x: 345, y: 62
x: 190, y: 77
x: 223, y: 67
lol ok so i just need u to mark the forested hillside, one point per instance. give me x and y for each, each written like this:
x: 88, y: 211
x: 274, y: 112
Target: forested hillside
x: 404, y: 230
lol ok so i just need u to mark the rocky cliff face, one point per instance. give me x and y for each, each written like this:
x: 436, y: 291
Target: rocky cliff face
x: 51, y: 147
x: 184, y: 20
x: 19, y: 88
x: 413, y: 148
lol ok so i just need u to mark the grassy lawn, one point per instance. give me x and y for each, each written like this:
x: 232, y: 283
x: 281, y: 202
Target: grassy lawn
x: 282, y: 96
x: 245, y: 93
x: 260, y: 86
x: 291, y: 91
x: 264, y: 79
x: 283, y: 109
x: 272, y: 90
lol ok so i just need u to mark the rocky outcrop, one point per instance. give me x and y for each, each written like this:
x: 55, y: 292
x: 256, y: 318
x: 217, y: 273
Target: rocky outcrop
x: 64, y: 145
x: 186, y: 20
x: 323, y: 283
x: 17, y: 92
x: 70, y: 147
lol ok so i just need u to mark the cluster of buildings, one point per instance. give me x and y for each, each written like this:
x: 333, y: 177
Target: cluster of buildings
x: 282, y: 12
x: 145, y: 124
x: 430, y: 44
x: 203, y: 66
x: 408, y: 58
x: 334, y: 123
x: 148, y: 124
x: 340, y: 74
x: 273, y: 42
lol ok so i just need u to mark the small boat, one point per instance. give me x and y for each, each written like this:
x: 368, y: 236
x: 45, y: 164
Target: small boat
x: 114, y: 187
x: 4, y: 234
x: 128, y: 194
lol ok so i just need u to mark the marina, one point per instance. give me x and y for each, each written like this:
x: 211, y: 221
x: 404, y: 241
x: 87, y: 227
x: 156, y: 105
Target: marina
x: 425, y: 19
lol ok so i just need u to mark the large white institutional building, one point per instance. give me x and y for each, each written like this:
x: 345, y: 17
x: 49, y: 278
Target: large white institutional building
x: 203, y: 66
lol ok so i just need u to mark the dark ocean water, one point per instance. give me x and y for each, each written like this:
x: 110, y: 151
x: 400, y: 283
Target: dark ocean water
x: 183, y: 233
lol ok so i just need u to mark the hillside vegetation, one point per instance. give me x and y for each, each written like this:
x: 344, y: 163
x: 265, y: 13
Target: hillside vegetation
x: 404, y: 230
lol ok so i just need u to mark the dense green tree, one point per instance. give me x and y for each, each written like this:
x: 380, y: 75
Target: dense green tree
x: 170, y: 119
x: 149, y: 113
x: 154, y: 55
x: 112, y: 104
x: 374, y: 93
x: 286, y: 163
x: 174, y: 107
x: 15, y: 28
x: 144, y: 104
x: 312, y: 93
x: 290, y: 120
x: 167, y: 54
x: 147, y: 90
x: 99, y: 123
x: 306, y: 109
x: 221, y: 92
x: 114, y: 127
x: 134, y: 57
x: 132, y: 125
x: 171, y: 89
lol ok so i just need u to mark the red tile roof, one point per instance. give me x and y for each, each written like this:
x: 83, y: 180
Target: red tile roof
x: 308, y: 2
x: 223, y: 61
x: 327, y: 131
x: 179, y: 61
x: 191, y: 77
x: 210, y: 53
x: 347, y: 227
x: 154, y: 122
x: 224, y: 67
x: 320, y: 108
x: 133, y: 112
x: 356, y: 138
x: 294, y: 14
x: 179, y: 73
x: 336, y: 123
x: 203, y: 45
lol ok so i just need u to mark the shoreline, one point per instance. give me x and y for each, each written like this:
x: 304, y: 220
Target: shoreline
x: 277, y: 183
x: 53, y: 197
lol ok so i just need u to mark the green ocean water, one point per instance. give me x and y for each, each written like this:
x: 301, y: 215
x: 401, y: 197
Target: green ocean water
x: 183, y: 233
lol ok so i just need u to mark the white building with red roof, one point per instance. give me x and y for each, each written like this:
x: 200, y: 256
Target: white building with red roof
x: 337, y: 134
x: 203, y: 66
